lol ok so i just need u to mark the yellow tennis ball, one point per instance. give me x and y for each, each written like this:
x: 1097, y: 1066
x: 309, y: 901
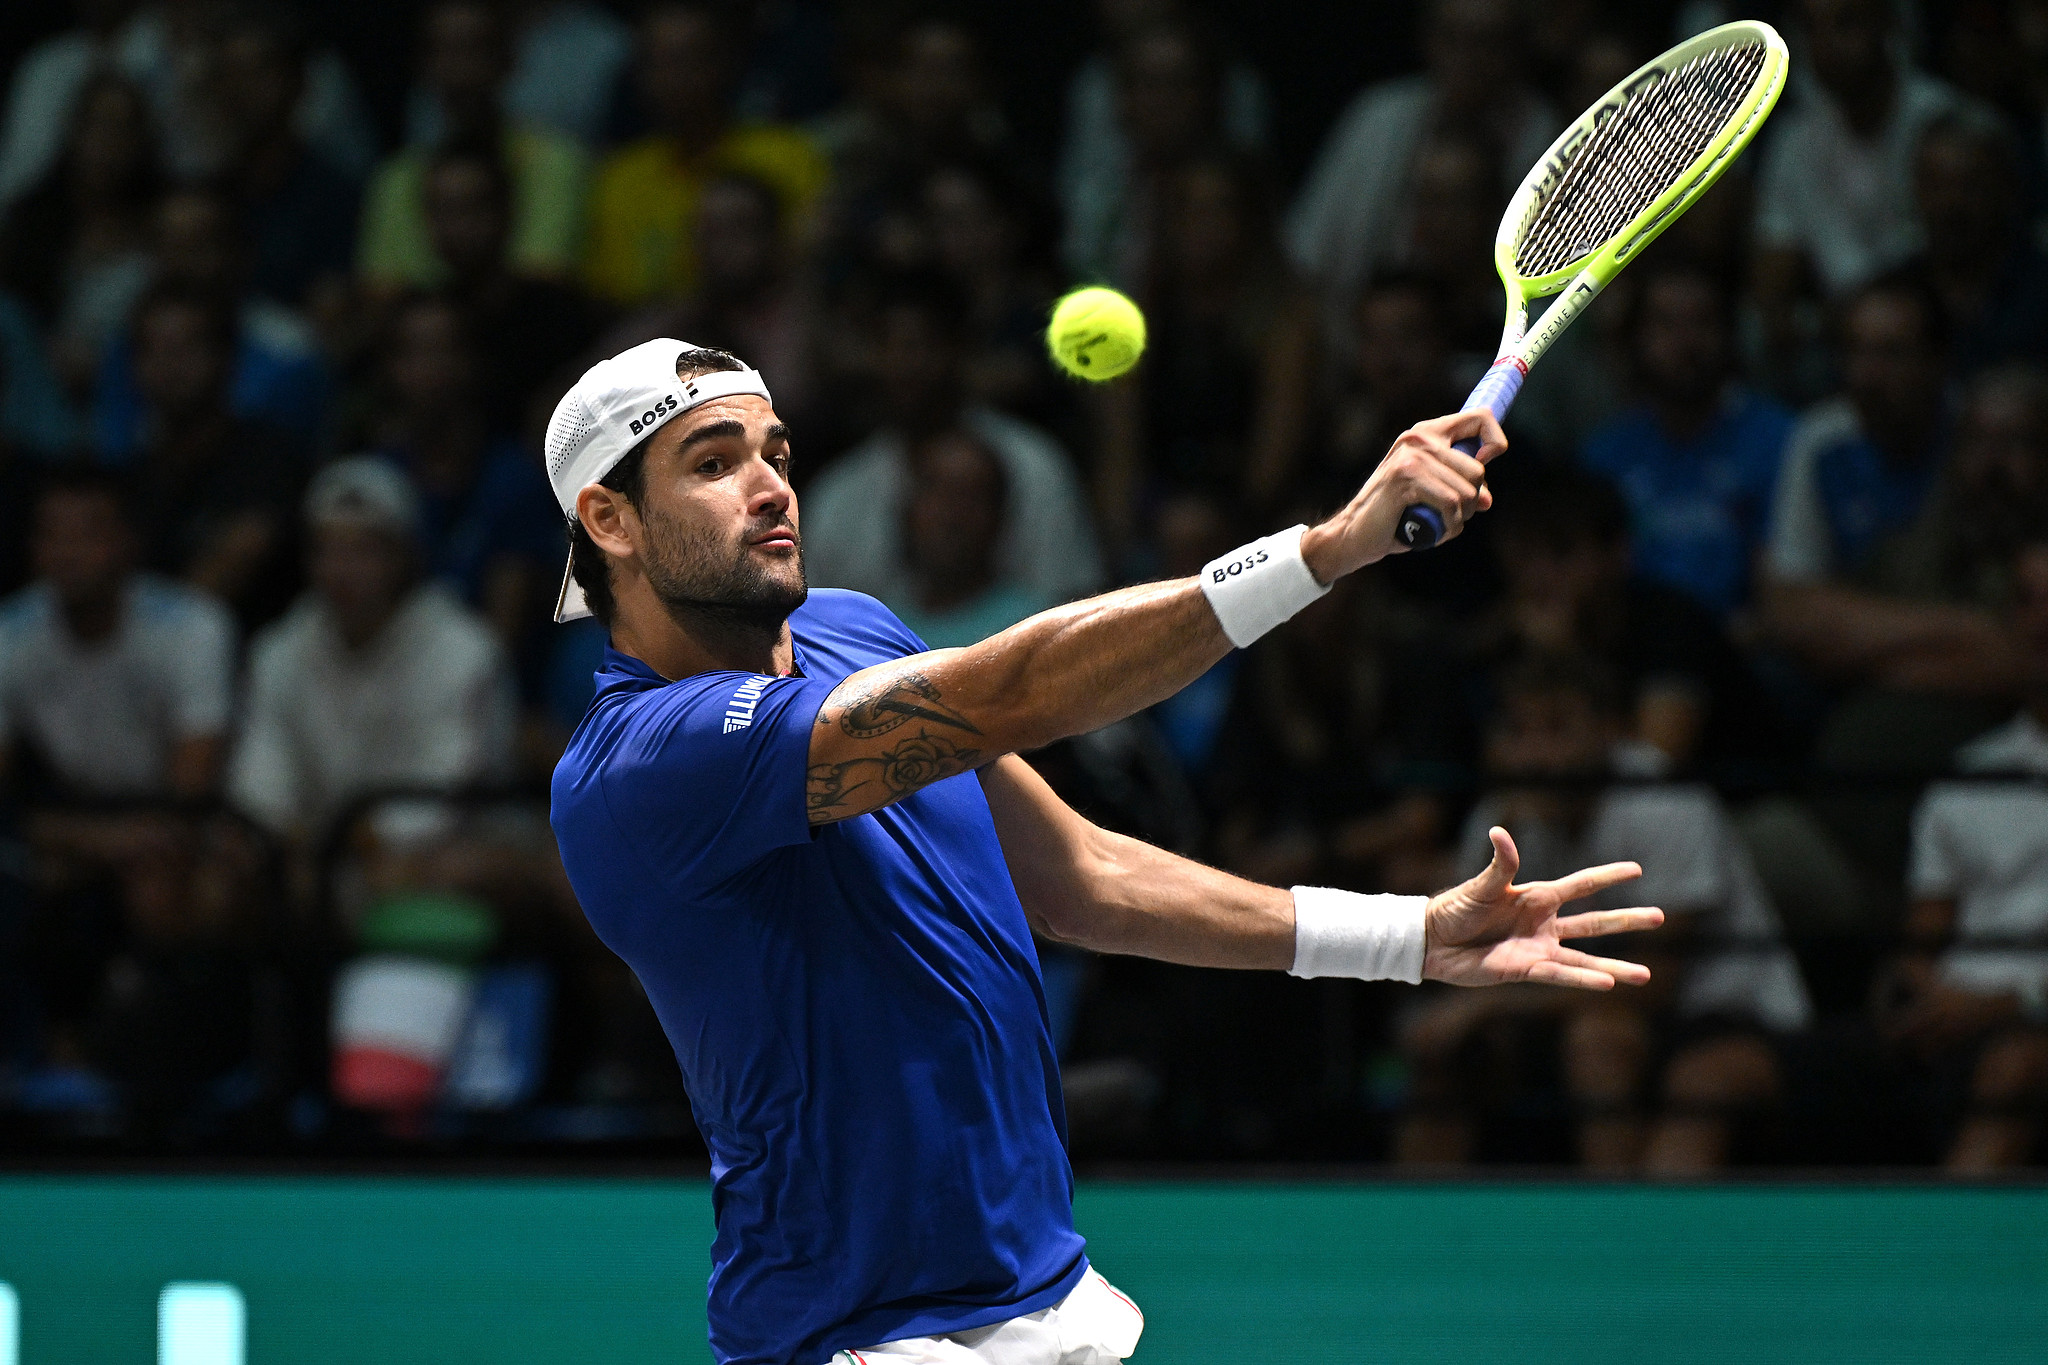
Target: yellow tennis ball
x: 1096, y: 333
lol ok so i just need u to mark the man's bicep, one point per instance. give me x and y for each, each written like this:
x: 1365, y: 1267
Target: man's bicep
x: 887, y: 731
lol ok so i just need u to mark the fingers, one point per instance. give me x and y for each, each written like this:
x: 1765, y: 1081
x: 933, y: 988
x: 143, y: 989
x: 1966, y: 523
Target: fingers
x: 1548, y: 973
x: 1598, y: 923
x: 1500, y: 873
x: 1587, y: 881
x: 1480, y: 422
x: 1623, y: 973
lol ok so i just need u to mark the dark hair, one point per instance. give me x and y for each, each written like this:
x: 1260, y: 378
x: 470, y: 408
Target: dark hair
x: 587, y: 563
x: 1676, y: 269
x: 927, y: 293
x: 1559, y: 503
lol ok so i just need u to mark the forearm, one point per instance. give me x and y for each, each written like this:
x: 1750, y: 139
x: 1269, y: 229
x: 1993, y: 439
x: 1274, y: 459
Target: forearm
x: 1850, y: 631
x: 1080, y: 884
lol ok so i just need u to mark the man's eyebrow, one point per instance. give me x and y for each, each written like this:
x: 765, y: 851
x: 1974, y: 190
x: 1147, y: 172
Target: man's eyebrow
x: 778, y: 432
x: 711, y: 431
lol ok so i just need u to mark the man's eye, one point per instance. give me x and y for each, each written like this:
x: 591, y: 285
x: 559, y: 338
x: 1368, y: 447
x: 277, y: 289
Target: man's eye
x: 711, y: 466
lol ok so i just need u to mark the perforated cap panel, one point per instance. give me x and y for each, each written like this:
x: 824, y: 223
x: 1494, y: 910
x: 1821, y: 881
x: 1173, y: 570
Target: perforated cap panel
x: 1637, y: 153
x: 568, y: 430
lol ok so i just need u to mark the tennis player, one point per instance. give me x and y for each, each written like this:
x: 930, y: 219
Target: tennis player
x: 811, y: 838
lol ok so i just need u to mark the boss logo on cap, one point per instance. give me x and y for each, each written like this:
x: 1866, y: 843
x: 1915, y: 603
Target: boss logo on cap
x: 647, y: 418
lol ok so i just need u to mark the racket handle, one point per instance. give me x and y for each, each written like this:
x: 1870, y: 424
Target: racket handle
x: 1422, y: 526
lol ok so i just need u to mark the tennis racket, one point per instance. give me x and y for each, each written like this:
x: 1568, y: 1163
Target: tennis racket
x: 1625, y: 171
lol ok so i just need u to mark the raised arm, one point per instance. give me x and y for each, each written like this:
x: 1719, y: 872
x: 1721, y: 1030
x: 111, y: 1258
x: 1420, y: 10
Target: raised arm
x: 889, y: 730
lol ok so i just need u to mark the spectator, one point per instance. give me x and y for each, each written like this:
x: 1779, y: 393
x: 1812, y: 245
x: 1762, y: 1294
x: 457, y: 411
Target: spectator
x: 567, y: 58
x: 375, y: 679
x: 298, y: 209
x: 922, y: 102
x: 1698, y: 459
x: 536, y: 324
x: 1220, y: 407
x: 1993, y: 282
x: 1047, y: 544
x: 1560, y: 536
x: 1704, y: 1036
x: 279, y: 376
x: 988, y: 235
x: 1169, y: 98
x: 1354, y: 210
x: 1976, y: 1015
x: 488, y: 527
x: 117, y: 681
x: 1452, y: 218
x: 463, y: 62
x: 1399, y: 374
x: 214, y: 491
x: 1835, y: 196
x: 748, y: 301
x: 1843, y: 594
x: 1096, y: 154
x: 166, y: 50
x: 644, y: 208
x: 953, y: 521
x: 73, y: 247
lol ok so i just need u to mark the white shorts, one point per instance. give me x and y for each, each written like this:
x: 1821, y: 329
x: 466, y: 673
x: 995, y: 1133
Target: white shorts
x: 1094, y: 1325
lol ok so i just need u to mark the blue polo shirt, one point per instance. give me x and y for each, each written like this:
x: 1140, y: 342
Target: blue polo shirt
x: 856, y: 1007
x: 1698, y: 509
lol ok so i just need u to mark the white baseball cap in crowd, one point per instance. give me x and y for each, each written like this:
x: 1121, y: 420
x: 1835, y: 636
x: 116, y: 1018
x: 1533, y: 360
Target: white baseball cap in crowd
x: 616, y: 405
x: 363, y: 490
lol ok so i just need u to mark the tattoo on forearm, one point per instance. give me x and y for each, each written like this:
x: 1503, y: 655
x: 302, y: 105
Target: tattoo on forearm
x: 899, y: 701
x: 835, y: 790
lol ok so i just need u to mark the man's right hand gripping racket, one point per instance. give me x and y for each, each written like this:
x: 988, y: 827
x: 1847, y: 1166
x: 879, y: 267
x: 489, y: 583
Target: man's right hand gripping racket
x: 1641, y: 156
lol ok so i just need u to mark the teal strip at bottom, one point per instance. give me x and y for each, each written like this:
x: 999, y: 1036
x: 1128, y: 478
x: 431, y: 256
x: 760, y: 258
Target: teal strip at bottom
x: 398, y: 1271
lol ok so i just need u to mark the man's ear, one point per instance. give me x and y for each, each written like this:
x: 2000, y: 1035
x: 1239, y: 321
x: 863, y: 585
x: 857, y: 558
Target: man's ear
x: 610, y: 518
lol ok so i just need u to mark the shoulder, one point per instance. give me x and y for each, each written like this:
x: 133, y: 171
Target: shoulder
x: 1618, y: 441
x: 840, y: 615
x: 287, y: 644
x: 1663, y: 815
x: 777, y: 144
x: 1824, y: 426
x: 868, y: 470
x: 542, y: 151
x: 2017, y: 745
x: 1027, y: 450
x: 634, y: 163
x: 456, y: 636
x: 26, y: 613
x: 164, y: 604
x: 1397, y: 100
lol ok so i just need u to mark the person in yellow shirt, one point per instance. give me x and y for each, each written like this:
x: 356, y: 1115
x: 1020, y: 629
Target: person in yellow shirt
x: 643, y: 211
x: 465, y: 58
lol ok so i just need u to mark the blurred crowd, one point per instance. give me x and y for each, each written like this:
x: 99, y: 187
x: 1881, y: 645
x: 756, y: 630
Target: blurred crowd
x: 1763, y: 603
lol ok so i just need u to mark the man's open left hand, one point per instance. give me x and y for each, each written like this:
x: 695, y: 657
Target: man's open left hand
x: 1489, y: 931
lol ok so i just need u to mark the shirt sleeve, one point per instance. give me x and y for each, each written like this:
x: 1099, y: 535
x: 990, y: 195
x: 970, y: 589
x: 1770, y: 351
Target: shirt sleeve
x: 265, y: 776
x: 1798, y: 548
x: 707, y: 775
x: 1932, y: 871
x: 202, y: 669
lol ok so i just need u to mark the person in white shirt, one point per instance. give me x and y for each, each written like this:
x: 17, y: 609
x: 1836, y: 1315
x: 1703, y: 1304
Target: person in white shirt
x: 853, y: 535
x: 1352, y: 215
x: 119, y: 682
x: 1979, y: 871
x: 1705, y: 1036
x: 1834, y: 204
x: 376, y: 678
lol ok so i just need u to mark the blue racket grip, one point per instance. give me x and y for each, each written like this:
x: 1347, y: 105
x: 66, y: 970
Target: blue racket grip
x: 1423, y: 526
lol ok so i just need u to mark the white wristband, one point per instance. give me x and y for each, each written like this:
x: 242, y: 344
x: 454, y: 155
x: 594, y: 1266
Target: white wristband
x: 1370, y: 938
x: 1257, y: 586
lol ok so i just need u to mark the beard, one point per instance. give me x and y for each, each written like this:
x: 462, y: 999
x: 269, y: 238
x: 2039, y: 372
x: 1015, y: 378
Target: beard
x: 709, y: 582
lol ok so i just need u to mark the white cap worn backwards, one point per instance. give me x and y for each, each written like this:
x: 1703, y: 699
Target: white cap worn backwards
x: 616, y: 405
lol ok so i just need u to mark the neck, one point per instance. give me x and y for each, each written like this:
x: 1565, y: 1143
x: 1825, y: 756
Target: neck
x: 359, y: 629
x: 92, y: 617
x: 1684, y: 416
x: 679, y: 642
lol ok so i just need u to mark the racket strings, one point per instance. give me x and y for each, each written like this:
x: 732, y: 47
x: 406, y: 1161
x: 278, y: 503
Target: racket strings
x: 1636, y: 155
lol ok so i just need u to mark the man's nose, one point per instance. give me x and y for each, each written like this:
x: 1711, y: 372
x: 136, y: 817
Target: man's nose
x: 768, y: 492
